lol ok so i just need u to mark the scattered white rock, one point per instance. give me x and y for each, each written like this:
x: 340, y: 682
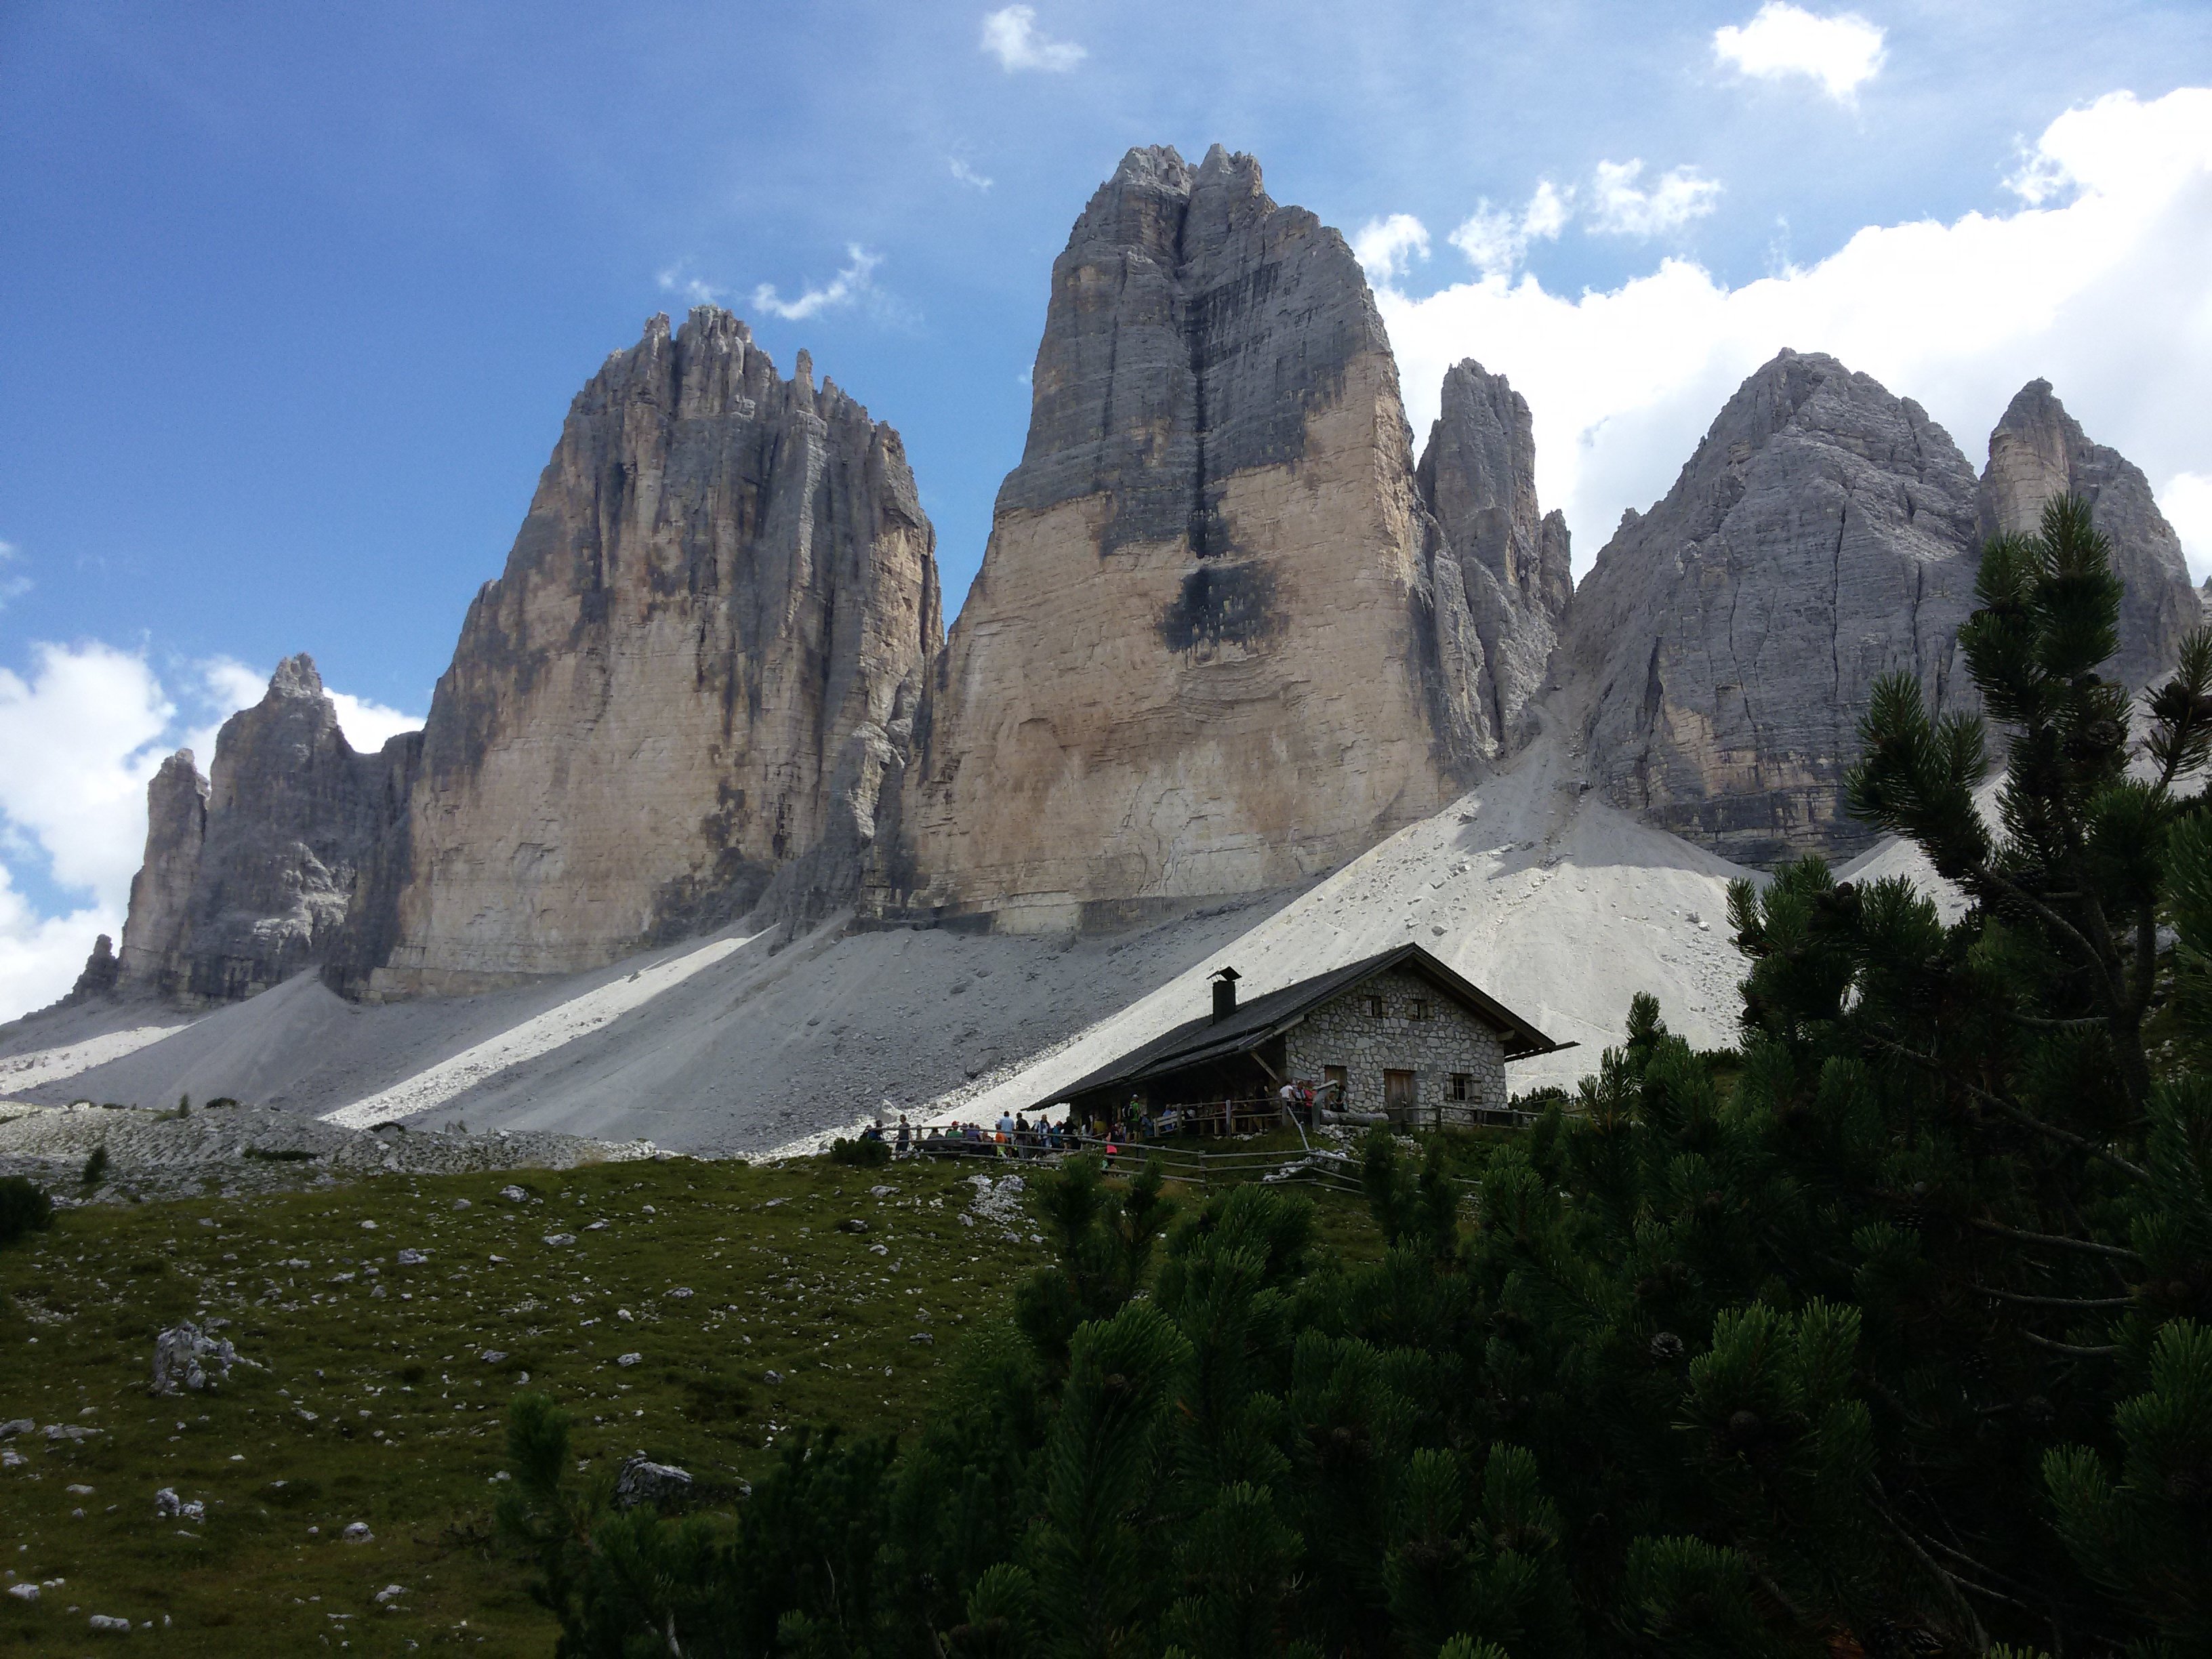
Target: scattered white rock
x: 185, y: 1357
x: 628, y: 1358
x: 596, y: 1227
x: 24, y: 1592
x: 368, y: 1226
x: 12, y: 1459
x: 514, y: 1195
x: 390, y: 1593
x: 358, y: 1533
x: 774, y: 1379
x: 493, y: 1356
x: 56, y: 1431
x: 557, y: 1240
x: 14, y: 1426
x: 101, y: 1621
x: 463, y: 1204
x: 413, y: 1258
x: 78, y: 1491
x: 681, y: 1292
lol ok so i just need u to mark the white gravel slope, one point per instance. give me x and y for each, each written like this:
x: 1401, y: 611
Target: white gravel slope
x: 1553, y: 902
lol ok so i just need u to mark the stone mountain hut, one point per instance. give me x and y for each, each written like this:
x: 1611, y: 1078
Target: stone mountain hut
x: 1399, y: 1034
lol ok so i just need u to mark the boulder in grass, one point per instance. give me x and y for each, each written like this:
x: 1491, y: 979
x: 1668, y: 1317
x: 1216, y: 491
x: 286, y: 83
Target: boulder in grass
x: 642, y: 1481
x: 101, y: 1621
x: 185, y: 1357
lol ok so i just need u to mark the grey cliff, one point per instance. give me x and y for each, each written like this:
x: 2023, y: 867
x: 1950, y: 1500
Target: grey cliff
x: 1507, y: 559
x: 248, y: 877
x: 1822, y: 535
x: 2038, y: 451
x: 687, y: 682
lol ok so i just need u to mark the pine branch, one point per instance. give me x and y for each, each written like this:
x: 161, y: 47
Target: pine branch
x: 2018, y: 1115
x: 2059, y: 1239
x: 2070, y: 1347
x: 2056, y: 1301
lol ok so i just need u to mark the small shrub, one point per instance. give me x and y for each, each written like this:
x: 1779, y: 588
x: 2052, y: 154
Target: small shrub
x: 280, y: 1154
x: 24, y: 1208
x: 860, y: 1154
x: 219, y: 1102
x: 95, y: 1167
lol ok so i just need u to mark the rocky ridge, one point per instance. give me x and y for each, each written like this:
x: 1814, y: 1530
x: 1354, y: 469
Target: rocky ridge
x: 2037, y: 452
x: 1227, y: 635
x: 1217, y: 644
x: 1504, y: 569
x: 1822, y: 535
x: 248, y: 873
x: 688, y: 683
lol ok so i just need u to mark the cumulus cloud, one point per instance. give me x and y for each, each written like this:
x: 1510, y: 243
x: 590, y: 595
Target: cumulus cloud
x: 1388, y: 247
x: 2098, y: 287
x: 80, y: 735
x: 1620, y: 208
x: 968, y: 175
x: 1841, y: 53
x: 1495, y: 240
x: 1012, y: 36
x: 848, y: 285
x: 2186, y: 501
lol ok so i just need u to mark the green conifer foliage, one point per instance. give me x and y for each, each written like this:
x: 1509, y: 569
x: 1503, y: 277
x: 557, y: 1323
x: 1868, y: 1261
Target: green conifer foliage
x: 1884, y: 1334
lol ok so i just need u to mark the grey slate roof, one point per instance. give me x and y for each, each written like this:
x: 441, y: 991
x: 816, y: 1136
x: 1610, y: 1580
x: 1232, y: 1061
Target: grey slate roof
x: 1198, y: 1041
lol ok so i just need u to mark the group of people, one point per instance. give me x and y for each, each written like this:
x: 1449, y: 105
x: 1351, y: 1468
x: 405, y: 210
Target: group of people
x: 1016, y: 1136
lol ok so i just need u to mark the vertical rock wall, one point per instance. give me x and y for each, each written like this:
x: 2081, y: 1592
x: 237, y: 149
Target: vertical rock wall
x: 1822, y: 535
x: 248, y: 875
x: 159, y: 918
x: 2038, y: 451
x: 686, y: 681
x: 1509, y: 560
x: 1203, y: 652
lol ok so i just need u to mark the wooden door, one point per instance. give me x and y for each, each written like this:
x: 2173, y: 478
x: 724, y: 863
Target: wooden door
x: 1398, y: 1097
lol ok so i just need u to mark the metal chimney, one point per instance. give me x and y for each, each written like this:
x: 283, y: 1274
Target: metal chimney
x: 1224, y: 994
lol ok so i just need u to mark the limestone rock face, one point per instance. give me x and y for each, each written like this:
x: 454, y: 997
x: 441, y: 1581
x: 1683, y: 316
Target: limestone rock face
x: 247, y: 876
x: 1823, y: 534
x: 1477, y: 478
x: 159, y: 917
x: 1203, y: 655
x: 2038, y: 451
x: 689, y: 678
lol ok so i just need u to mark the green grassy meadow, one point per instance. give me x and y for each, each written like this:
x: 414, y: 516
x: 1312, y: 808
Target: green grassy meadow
x: 390, y: 1409
x: 408, y: 1390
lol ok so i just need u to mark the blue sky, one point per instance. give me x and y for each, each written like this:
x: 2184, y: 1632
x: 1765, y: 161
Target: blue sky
x: 293, y: 299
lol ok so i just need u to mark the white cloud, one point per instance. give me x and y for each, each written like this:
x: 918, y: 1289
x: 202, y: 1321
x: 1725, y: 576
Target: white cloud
x: 80, y: 736
x: 2186, y: 501
x: 78, y: 740
x: 42, y: 956
x: 679, y: 279
x: 369, y: 725
x: 2105, y: 295
x: 842, y: 289
x: 1843, y: 52
x: 1676, y: 196
x: 968, y: 175
x: 1497, y: 241
x: 1388, y: 247
x: 1010, y: 35
x: 12, y: 583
